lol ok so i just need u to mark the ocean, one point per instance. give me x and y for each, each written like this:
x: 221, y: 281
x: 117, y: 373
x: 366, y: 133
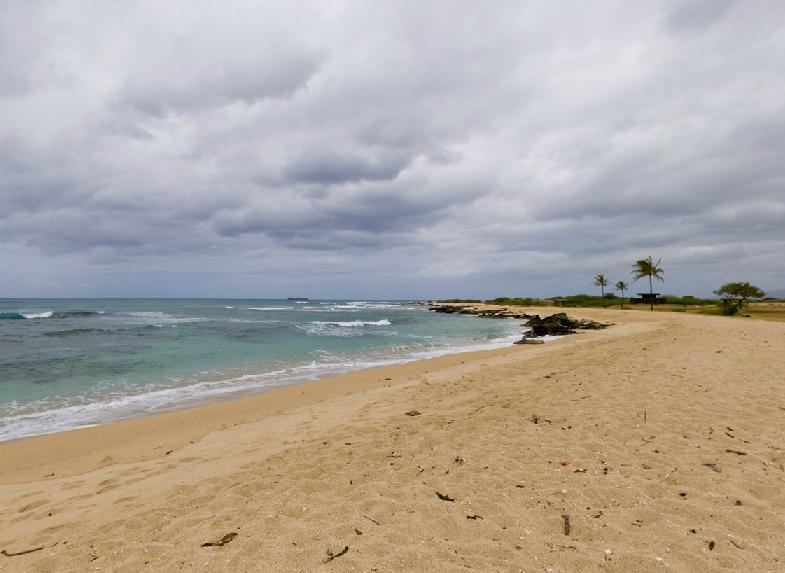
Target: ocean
x: 67, y: 363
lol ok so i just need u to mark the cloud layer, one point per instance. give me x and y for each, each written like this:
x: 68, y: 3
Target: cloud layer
x: 388, y: 149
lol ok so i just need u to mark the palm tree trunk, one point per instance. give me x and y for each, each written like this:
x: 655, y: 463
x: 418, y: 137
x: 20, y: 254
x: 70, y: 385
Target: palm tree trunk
x: 602, y: 290
x: 622, y: 299
x: 651, y: 294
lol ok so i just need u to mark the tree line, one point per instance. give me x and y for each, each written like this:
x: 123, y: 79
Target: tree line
x: 733, y: 296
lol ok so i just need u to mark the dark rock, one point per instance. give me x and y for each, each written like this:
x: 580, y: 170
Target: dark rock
x: 559, y: 324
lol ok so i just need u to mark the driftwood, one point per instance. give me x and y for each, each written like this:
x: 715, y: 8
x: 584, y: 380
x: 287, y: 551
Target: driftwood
x: 25, y: 552
x: 474, y: 516
x: 221, y: 542
x: 567, y: 527
x: 444, y: 497
x: 412, y: 413
x: 371, y: 519
x: 331, y: 555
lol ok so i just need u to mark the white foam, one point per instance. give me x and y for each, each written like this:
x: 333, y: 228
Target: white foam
x: 351, y: 323
x: 269, y: 308
x: 47, y: 314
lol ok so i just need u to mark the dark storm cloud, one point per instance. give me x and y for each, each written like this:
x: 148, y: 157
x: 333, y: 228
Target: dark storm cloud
x: 388, y: 149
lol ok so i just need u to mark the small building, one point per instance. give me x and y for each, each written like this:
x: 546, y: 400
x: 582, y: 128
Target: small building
x: 649, y: 298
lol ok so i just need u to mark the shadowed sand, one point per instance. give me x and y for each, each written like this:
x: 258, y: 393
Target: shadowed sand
x: 661, y: 438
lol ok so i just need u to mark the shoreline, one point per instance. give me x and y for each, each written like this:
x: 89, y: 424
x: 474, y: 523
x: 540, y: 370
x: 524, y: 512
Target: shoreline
x: 610, y: 427
x: 236, y: 390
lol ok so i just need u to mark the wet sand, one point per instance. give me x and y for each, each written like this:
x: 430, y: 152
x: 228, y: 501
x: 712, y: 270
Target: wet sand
x: 660, y: 438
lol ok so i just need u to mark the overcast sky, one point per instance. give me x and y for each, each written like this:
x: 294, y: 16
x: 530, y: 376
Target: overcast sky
x: 388, y: 149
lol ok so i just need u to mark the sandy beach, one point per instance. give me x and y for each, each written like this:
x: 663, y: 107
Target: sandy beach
x: 653, y: 445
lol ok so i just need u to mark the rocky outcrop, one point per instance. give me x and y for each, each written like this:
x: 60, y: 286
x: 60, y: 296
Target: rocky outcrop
x: 482, y: 313
x: 558, y: 325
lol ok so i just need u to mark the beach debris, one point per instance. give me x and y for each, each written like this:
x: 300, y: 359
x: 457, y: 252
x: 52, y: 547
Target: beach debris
x: 566, y: 518
x: 738, y: 502
x: 23, y: 552
x: 607, y: 554
x: 357, y: 531
x: 221, y: 542
x: 444, y: 497
x: 737, y: 452
x: 371, y: 519
x: 474, y: 516
x: 564, y: 463
x: 459, y: 460
x: 527, y: 340
x: 580, y: 471
x: 714, y: 467
x: 413, y: 413
x: 711, y: 546
x: 535, y: 419
x: 331, y: 555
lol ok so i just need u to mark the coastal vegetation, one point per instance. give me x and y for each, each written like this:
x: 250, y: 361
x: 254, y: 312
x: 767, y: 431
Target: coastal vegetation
x: 734, y: 296
x: 601, y: 281
x: 648, y: 268
x: 622, y: 286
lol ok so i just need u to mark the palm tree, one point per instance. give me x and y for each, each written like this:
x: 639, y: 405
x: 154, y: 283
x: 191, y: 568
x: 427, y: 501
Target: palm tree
x: 622, y: 286
x: 601, y: 281
x: 648, y: 268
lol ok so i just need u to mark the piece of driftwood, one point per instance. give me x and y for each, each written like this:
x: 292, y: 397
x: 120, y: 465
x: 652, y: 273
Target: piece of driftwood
x: 567, y: 527
x: 413, y: 413
x: 714, y: 467
x: 444, y: 497
x: 221, y: 542
x: 737, y: 452
x: 331, y: 555
x: 371, y: 519
x: 17, y: 553
x: 474, y: 516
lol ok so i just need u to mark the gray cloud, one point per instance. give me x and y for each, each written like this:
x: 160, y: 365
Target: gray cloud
x: 257, y: 149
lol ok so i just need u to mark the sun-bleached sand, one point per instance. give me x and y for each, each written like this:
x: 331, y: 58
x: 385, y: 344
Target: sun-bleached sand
x: 661, y: 439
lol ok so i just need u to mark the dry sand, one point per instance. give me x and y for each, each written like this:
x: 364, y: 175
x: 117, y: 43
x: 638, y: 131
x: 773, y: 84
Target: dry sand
x: 661, y: 438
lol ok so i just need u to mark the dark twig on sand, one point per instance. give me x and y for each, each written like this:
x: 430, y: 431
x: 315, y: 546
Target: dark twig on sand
x: 737, y: 452
x: 25, y: 552
x: 331, y: 555
x: 221, y: 542
x: 567, y: 527
x: 413, y: 413
x: 371, y: 519
x: 714, y: 467
x: 474, y: 516
x: 444, y: 497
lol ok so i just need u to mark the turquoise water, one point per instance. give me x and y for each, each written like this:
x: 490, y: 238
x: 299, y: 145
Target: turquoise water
x: 74, y: 363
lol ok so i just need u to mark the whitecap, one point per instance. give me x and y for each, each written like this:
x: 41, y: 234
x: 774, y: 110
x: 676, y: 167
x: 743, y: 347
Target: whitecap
x: 47, y: 314
x: 382, y: 322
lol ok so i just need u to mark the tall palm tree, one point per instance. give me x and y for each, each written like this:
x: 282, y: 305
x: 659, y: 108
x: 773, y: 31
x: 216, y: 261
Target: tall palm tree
x: 622, y: 286
x: 601, y: 281
x: 648, y: 268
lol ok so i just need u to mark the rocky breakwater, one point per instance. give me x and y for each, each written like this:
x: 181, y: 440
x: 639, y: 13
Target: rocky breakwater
x: 481, y: 312
x: 558, y: 324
